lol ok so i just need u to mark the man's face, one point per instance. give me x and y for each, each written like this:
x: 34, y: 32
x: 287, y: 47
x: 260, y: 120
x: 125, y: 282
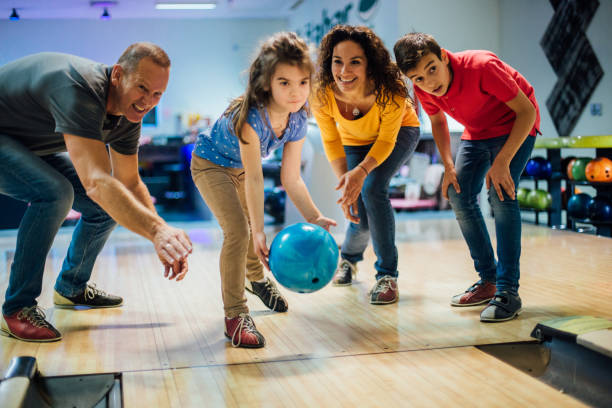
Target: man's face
x: 139, y: 91
x: 431, y: 74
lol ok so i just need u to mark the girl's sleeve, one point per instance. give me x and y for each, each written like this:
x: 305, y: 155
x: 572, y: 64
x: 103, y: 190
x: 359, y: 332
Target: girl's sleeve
x: 302, y: 123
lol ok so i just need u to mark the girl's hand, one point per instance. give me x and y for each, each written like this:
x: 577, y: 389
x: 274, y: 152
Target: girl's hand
x: 352, y: 182
x: 260, y: 247
x: 499, y: 177
x: 324, y: 222
x: 450, y: 177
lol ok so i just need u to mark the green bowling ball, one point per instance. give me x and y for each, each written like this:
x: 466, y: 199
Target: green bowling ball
x: 521, y: 196
x: 539, y: 199
x: 578, y: 168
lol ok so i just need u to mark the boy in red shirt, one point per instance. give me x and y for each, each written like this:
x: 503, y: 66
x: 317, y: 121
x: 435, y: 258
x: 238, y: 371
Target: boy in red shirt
x: 498, y: 108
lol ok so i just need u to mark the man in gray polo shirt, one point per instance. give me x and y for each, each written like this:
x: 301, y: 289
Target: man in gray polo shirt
x: 52, y: 103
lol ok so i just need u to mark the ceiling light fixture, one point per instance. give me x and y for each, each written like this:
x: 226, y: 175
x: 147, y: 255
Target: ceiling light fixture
x: 173, y: 5
x: 102, y: 3
x: 14, y: 16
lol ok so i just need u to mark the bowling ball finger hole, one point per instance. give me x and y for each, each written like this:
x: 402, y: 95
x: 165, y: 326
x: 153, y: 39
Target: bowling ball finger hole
x: 315, y: 280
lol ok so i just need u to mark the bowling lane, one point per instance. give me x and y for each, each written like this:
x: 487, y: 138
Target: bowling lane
x: 165, y: 325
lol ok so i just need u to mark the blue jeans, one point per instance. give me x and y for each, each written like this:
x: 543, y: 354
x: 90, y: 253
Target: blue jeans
x: 376, y: 216
x: 51, y: 186
x: 474, y: 158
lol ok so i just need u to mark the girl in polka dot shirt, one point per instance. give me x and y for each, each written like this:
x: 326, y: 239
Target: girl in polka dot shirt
x: 226, y: 167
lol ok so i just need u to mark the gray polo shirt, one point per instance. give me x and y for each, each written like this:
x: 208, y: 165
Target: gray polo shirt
x: 43, y: 96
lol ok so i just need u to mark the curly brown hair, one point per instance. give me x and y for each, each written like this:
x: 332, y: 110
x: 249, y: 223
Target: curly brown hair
x: 381, y: 70
x: 283, y: 47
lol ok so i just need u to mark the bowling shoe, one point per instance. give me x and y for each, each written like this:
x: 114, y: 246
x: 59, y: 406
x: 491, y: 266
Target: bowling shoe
x: 268, y: 293
x: 345, y: 273
x: 242, y: 331
x: 384, y: 291
x: 477, y: 294
x: 29, y: 324
x: 91, y: 297
x: 504, y: 306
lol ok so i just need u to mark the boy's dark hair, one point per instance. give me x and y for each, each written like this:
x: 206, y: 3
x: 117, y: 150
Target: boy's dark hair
x: 412, y: 47
x: 381, y: 70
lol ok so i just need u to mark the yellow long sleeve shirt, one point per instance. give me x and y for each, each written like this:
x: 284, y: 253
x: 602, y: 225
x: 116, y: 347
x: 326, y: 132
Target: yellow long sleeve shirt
x: 378, y: 127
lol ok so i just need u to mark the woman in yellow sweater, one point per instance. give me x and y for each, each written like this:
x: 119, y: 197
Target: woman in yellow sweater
x: 369, y: 129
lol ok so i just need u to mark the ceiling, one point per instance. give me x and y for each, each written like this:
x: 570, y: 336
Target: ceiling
x: 125, y: 9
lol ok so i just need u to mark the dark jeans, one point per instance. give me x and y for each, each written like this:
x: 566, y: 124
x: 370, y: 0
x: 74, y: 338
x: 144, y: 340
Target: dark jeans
x: 51, y: 187
x: 474, y: 158
x: 375, y: 212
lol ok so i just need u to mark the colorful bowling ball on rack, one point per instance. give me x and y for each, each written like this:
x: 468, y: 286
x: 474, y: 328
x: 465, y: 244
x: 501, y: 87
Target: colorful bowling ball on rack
x: 599, y: 170
x: 578, y: 168
x: 577, y: 206
x: 538, y: 167
x: 521, y: 196
x: 570, y: 165
x: 303, y: 257
x: 539, y: 200
x: 565, y: 163
x: 600, y: 209
x: 565, y: 196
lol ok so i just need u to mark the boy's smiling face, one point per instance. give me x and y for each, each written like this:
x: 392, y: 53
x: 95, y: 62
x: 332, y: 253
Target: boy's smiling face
x: 432, y: 74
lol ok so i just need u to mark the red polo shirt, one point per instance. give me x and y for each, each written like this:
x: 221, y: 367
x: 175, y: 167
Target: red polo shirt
x: 481, y: 85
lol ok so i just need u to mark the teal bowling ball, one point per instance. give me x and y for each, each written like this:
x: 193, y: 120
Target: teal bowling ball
x: 577, y: 206
x: 303, y: 257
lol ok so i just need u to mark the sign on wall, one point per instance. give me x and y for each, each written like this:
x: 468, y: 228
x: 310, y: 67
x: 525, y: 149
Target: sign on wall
x: 572, y: 58
x: 315, y: 30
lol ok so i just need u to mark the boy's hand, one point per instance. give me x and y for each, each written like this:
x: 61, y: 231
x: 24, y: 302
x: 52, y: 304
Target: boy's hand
x: 450, y: 177
x: 260, y: 247
x: 499, y: 177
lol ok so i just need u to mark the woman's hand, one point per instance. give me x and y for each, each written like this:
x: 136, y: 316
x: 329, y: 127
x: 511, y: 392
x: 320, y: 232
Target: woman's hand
x: 352, y: 182
x: 351, y: 212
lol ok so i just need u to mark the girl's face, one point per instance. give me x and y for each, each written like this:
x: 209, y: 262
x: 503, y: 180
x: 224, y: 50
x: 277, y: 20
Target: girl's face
x: 290, y: 87
x: 349, y: 66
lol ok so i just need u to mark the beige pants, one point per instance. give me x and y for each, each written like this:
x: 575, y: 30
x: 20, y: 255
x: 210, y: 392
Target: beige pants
x: 223, y: 191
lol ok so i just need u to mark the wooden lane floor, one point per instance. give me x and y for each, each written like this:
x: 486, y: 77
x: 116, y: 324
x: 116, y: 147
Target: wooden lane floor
x: 168, y: 325
x: 460, y: 376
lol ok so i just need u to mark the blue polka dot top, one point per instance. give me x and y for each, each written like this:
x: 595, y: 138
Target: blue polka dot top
x: 221, y: 146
